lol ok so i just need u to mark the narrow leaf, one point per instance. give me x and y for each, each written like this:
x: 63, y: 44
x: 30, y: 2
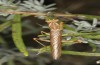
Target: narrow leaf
x: 17, y: 34
x: 5, y: 25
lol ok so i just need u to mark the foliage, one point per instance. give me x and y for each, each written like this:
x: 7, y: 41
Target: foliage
x: 77, y: 31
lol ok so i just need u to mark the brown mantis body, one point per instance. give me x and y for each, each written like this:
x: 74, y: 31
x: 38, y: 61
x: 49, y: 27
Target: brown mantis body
x: 56, y: 28
x: 55, y: 37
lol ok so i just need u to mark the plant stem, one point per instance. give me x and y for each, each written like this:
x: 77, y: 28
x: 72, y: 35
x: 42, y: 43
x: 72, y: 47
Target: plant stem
x: 80, y: 53
x: 56, y: 14
x: 47, y: 49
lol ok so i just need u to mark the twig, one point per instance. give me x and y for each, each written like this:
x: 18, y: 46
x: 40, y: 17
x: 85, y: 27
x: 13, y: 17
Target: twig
x: 31, y: 13
x: 56, y: 14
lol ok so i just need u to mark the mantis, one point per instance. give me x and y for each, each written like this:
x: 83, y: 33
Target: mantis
x: 56, y: 28
x: 55, y: 37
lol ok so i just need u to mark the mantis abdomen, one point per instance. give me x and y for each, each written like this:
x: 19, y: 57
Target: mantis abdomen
x: 55, y: 41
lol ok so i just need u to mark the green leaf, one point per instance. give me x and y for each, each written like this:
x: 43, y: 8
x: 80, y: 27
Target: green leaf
x: 5, y: 25
x: 68, y: 28
x: 17, y: 34
x: 94, y: 48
